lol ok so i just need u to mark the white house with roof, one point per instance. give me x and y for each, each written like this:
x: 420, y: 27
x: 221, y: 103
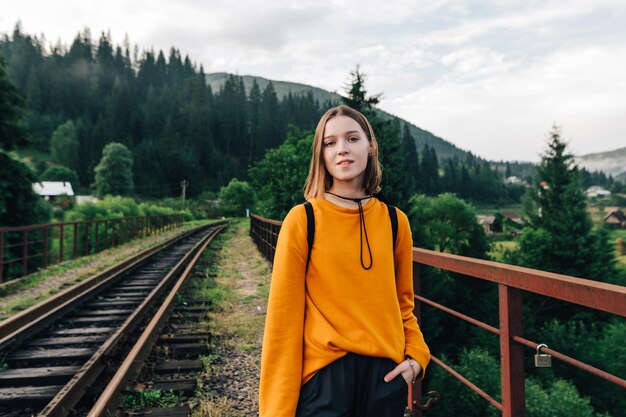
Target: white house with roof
x: 597, y: 191
x: 50, y: 189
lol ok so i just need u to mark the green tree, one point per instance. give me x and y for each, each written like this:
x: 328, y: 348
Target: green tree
x: 269, y: 131
x: 279, y: 177
x: 114, y: 172
x: 447, y: 224
x: 410, y: 161
x: 12, y: 129
x: 560, y: 238
x: 356, y: 94
x: 429, y: 168
x: 120, y: 112
x: 64, y: 145
x: 396, y: 186
x: 254, y: 107
x: 60, y: 173
x: 236, y: 197
x: 19, y: 204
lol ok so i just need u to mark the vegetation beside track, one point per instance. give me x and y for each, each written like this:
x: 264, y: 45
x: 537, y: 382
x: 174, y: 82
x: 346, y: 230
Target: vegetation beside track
x: 22, y: 293
x: 237, y: 281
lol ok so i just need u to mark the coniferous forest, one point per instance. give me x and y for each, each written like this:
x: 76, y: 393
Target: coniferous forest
x: 158, y: 105
x: 81, y: 97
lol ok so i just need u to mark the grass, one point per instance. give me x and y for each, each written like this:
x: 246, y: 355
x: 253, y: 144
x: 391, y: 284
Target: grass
x: 499, y: 248
x: 613, y: 236
x: 35, y: 155
x: 137, y: 400
x: 491, y: 209
x: 237, y: 281
x: 32, y: 280
x: 216, y: 407
x: 21, y: 293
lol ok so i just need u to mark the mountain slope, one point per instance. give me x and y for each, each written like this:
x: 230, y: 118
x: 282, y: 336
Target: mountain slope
x: 444, y: 149
x: 611, y: 162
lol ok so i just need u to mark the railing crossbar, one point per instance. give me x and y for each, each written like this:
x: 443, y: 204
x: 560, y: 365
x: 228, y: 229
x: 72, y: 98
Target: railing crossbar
x: 466, y: 382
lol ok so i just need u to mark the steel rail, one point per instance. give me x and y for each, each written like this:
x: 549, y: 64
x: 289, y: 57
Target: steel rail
x: 75, y: 389
x: 24, y: 324
x: 132, y: 364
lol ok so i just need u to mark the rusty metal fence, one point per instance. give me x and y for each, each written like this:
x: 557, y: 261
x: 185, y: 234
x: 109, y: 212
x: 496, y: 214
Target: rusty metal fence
x: 512, y: 281
x: 26, y: 249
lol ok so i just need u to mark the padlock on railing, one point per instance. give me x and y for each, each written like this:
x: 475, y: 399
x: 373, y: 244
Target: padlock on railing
x: 542, y: 360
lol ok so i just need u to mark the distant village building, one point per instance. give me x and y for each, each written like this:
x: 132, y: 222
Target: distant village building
x: 616, y: 219
x: 597, y: 192
x: 52, y: 189
x: 515, y: 180
x: 80, y: 199
x: 514, y: 217
x: 487, y: 222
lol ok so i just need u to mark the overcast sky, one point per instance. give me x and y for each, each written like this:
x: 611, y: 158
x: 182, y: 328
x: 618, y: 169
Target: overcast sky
x: 489, y: 76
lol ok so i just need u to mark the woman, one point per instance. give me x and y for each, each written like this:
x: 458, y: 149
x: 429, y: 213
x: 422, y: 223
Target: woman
x: 340, y: 335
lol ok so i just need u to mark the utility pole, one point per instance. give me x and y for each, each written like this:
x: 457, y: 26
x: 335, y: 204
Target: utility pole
x: 184, y: 184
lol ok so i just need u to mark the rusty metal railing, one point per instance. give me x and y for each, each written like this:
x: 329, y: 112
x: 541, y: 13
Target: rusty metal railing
x: 511, y: 281
x: 25, y: 249
x: 264, y: 233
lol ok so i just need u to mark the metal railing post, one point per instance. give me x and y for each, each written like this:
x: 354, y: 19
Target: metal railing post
x: 61, y: 242
x: 87, y: 238
x: 25, y: 252
x: 415, y: 389
x: 45, y: 246
x: 75, y: 240
x: 97, y: 238
x: 1, y: 256
x: 511, y: 354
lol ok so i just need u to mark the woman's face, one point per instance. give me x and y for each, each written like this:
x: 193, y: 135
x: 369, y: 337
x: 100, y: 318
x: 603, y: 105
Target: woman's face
x: 346, y: 151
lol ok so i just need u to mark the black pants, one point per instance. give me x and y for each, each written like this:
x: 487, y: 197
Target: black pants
x: 353, y: 386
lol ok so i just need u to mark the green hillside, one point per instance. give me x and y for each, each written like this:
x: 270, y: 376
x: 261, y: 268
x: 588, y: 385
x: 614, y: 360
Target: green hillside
x: 444, y: 149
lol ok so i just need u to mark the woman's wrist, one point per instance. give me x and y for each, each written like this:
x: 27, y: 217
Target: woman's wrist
x: 412, y: 363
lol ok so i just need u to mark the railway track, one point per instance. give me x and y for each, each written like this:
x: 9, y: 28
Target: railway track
x: 58, y: 351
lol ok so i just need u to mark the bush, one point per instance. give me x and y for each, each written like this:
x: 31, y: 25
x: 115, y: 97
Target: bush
x: 115, y: 206
x: 236, y: 197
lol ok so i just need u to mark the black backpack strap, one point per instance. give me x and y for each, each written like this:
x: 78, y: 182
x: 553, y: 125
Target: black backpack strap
x: 393, y: 217
x: 310, y: 230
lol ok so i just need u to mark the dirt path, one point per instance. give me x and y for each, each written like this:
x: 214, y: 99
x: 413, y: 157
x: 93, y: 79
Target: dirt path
x: 242, y: 279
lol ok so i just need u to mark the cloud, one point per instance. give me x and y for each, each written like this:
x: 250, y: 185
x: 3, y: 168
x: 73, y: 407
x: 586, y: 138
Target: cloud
x: 508, y: 112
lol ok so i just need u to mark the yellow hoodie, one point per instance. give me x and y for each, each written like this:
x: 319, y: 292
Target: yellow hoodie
x: 336, y: 307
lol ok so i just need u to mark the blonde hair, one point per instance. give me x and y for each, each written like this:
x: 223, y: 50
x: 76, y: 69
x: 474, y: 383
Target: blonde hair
x: 319, y: 179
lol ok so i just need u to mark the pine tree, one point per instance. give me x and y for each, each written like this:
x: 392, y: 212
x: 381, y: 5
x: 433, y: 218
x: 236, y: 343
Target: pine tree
x: 19, y: 205
x: 561, y: 238
x: 429, y: 168
x: 254, y: 108
x: 269, y: 133
x: 357, y: 97
x: 410, y: 161
x: 12, y: 130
